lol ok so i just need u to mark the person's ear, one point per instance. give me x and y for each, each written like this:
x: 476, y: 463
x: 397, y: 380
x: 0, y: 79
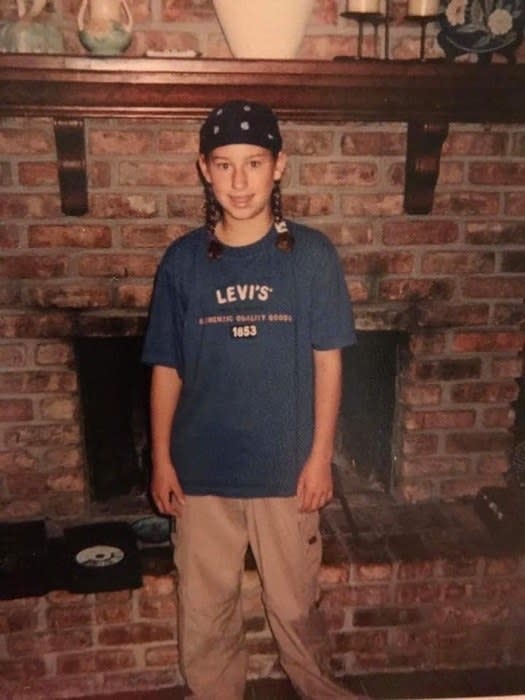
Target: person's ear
x: 280, y: 166
x: 203, y: 168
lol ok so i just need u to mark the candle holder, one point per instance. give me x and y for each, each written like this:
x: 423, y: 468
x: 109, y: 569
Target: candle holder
x: 362, y: 18
x: 375, y: 19
x: 423, y: 21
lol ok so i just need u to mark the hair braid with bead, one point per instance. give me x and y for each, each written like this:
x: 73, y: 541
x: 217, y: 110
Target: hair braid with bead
x: 212, y: 214
x: 284, y: 241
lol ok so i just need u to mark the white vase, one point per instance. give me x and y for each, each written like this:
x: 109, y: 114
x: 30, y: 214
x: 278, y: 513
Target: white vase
x: 105, y: 26
x: 263, y: 28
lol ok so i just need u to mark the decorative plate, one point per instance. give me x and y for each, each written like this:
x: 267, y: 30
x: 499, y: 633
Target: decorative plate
x: 481, y: 26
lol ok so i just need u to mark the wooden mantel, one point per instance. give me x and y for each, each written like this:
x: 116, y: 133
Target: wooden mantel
x: 426, y: 95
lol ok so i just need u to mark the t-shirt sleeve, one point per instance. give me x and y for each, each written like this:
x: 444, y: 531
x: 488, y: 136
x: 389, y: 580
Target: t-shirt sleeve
x: 332, y: 320
x: 163, y: 339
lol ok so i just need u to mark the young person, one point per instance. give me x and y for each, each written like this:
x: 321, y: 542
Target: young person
x: 248, y: 318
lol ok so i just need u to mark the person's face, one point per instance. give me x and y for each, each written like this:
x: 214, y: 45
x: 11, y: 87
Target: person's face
x: 242, y: 178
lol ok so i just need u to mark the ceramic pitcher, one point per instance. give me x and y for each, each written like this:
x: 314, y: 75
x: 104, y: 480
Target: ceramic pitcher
x: 31, y: 33
x: 105, y: 26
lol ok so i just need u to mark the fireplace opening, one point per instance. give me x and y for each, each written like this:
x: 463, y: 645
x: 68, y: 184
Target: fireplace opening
x: 368, y: 408
x: 516, y: 472
x: 114, y: 391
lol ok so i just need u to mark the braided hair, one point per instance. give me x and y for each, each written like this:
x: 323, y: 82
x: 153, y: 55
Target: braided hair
x: 284, y: 241
x: 213, y: 214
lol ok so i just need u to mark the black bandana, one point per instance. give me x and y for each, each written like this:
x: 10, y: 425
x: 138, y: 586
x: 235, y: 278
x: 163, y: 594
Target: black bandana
x: 240, y: 121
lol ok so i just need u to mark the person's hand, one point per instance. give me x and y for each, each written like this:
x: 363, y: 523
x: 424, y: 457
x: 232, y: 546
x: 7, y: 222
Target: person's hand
x: 166, y: 490
x: 315, y: 486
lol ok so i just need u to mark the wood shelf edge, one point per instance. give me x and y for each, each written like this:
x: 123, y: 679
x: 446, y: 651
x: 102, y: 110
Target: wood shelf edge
x: 426, y: 95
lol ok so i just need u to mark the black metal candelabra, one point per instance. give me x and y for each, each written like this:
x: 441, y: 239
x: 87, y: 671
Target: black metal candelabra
x: 423, y: 21
x: 375, y: 19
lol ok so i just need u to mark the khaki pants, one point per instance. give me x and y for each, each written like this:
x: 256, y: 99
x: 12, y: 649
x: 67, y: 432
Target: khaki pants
x: 211, y: 541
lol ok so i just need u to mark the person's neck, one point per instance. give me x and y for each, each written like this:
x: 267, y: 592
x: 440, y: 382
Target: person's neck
x: 232, y: 232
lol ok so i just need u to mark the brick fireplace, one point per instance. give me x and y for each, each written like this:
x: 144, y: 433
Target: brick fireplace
x: 450, y: 282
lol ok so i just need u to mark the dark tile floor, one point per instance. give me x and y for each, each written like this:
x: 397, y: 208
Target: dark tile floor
x: 429, y: 684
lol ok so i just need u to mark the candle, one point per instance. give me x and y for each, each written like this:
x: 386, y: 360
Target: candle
x: 363, y: 5
x: 423, y: 8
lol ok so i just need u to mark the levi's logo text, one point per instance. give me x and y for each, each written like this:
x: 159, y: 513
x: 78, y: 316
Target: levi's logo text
x: 243, y: 292
x: 239, y: 308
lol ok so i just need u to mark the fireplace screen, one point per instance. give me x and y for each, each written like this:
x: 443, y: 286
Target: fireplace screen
x: 368, y: 411
x: 114, y: 389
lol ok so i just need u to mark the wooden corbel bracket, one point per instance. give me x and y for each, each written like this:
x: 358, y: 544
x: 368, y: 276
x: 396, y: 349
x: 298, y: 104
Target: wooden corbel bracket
x: 71, y: 157
x: 424, y: 143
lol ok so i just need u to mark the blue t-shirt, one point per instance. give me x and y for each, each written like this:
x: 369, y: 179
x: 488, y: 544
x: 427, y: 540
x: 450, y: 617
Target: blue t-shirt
x: 240, y: 331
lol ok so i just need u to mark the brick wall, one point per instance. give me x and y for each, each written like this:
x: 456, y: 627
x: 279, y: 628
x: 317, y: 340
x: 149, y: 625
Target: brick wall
x: 448, y: 612
x: 452, y: 279
x: 192, y: 25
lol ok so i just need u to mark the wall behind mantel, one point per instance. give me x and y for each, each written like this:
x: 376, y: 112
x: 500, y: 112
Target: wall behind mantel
x: 192, y: 24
